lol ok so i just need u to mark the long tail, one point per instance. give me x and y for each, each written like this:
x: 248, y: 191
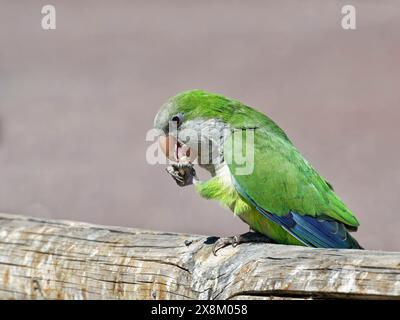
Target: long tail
x: 322, y: 233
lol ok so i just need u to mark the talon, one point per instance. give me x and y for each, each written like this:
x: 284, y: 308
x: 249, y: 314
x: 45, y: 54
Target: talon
x: 175, y: 175
x: 182, y: 173
x: 234, y: 241
x: 222, y: 243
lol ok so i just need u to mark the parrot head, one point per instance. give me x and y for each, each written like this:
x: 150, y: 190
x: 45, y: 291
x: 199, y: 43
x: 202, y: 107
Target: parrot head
x: 192, y: 124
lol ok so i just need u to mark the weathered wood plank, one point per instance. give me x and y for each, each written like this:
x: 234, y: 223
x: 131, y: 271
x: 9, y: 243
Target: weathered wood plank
x: 43, y: 259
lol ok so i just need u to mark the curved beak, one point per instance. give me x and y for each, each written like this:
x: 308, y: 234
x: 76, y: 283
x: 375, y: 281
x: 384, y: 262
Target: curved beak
x: 174, y: 150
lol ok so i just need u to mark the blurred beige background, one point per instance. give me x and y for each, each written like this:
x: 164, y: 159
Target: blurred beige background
x: 76, y: 103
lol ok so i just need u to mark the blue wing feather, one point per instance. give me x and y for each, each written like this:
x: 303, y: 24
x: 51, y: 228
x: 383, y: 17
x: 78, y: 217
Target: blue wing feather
x: 313, y: 232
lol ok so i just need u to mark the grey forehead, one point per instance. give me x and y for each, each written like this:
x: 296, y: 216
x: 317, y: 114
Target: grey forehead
x: 163, y: 116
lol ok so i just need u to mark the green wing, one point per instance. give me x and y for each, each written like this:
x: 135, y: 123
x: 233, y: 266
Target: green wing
x: 285, y: 188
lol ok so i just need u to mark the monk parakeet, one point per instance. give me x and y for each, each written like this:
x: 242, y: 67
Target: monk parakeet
x: 280, y: 195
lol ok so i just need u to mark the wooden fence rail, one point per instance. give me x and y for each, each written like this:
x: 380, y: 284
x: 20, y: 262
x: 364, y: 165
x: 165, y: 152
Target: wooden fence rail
x: 45, y: 259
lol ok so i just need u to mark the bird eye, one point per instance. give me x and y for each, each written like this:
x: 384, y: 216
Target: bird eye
x: 177, y: 118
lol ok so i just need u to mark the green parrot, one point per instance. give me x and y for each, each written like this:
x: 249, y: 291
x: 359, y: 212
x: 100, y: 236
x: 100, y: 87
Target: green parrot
x: 280, y: 196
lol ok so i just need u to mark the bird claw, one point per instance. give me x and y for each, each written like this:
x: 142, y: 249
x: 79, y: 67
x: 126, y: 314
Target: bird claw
x: 182, y: 173
x: 238, y: 239
x: 224, y: 242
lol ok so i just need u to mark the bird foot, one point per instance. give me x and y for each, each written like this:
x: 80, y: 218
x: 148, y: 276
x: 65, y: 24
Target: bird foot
x: 182, y: 173
x: 248, y: 237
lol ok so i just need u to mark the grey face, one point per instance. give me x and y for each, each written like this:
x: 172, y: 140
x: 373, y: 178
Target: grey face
x: 164, y: 116
x: 169, y: 122
x: 205, y: 137
x: 200, y: 139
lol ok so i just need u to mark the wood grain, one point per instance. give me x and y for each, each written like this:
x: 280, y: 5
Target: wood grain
x: 44, y: 259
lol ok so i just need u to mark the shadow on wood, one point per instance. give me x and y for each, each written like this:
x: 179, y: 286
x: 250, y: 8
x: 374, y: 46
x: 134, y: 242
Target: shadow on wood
x: 44, y: 259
